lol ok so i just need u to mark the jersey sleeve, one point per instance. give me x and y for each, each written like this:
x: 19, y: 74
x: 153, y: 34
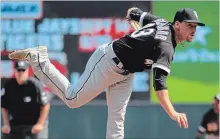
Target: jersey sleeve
x: 165, y: 53
x: 4, y: 102
x: 159, y: 79
x: 142, y: 17
x: 43, y: 98
x: 146, y: 18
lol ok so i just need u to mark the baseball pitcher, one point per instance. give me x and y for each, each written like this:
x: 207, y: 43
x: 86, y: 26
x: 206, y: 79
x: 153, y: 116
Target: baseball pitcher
x: 112, y: 66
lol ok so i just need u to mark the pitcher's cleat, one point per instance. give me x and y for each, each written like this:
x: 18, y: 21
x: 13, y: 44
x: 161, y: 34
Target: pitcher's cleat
x: 26, y: 54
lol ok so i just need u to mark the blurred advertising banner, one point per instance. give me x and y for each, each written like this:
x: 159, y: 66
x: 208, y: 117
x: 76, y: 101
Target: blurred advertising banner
x: 71, y: 30
x: 21, y: 10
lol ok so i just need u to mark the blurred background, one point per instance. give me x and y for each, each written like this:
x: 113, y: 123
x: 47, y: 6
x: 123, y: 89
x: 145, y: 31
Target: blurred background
x: 72, y: 30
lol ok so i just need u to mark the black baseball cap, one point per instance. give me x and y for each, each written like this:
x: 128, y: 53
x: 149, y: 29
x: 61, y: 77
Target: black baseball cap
x: 187, y: 15
x: 21, y: 65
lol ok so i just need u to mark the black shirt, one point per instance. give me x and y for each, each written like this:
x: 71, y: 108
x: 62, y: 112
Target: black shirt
x: 210, y: 117
x: 151, y: 46
x: 23, y: 102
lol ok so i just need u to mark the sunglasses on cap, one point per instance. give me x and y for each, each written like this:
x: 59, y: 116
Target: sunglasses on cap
x: 20, y: 70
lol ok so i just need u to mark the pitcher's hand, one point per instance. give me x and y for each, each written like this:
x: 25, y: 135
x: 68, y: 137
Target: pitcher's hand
x: 6, y: 129
x: 37, y: 128
x: 181, y: 119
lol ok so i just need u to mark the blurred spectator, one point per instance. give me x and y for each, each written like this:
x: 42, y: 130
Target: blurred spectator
x: 25, y: 106
x: 210, y: 122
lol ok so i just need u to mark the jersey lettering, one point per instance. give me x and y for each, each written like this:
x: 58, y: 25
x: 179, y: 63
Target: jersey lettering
x: 160, y: 21
x: 148, y: 25
x: 161, y: 37
x: 163, y: 28
x: 162, y: 33
x: 144, y: 31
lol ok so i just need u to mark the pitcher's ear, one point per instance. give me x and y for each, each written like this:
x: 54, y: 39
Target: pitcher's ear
x: 177, y: 25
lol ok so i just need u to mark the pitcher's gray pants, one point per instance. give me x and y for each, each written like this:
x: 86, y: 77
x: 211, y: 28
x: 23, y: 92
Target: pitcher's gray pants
x: 100, y: 73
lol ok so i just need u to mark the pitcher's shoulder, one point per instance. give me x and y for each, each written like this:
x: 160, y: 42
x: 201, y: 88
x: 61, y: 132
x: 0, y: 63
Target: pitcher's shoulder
x: 161, y: 21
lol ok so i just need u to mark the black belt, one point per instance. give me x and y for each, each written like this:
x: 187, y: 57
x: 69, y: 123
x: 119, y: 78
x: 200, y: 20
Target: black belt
x: 117, y: 62
x: 120, y: 65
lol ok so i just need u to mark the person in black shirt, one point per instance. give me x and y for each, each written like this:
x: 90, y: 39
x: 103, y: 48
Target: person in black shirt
x: 210, y: 122
x: 112, y: 65
x: 25, y: 106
